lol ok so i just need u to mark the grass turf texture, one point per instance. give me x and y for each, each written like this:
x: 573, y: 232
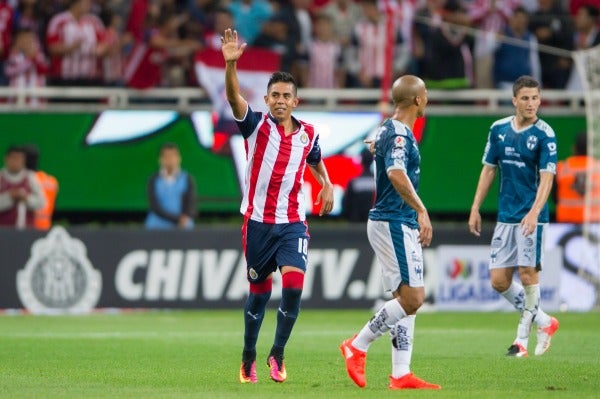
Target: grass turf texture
x: 197, y: 355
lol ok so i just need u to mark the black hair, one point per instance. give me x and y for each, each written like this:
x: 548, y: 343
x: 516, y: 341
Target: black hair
x: 15, y: 148
x: 284, y: 77
x: 524, y: 81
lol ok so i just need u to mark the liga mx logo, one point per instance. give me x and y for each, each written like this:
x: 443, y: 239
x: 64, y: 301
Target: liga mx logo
x: 59, y: 277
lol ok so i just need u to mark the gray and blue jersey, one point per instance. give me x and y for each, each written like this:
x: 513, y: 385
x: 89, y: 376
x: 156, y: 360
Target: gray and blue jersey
x: 520, y: 155
x: 395, y: 148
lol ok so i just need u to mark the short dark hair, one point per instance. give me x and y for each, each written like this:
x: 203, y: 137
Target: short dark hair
x: 168, y: 146
x: 15, y: 148
x: 524, y: 81
x: 284, y: 77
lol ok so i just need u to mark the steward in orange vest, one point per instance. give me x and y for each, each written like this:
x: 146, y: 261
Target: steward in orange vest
x: 571, y: 180
x: 42, y: 219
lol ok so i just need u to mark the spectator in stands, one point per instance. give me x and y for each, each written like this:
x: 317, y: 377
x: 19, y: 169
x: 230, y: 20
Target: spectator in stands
x: 20, y: 192
x: 27, y: 66
x: 6, y: 26
x: 74, y: 41
x: 442, y: 50
x: 299, y: 30
x: 325, y: 56
x: 512, y: 61
x: 360, y: 193
x: 28, y: 16
x: 365, y: 58
x: 171, y: 193
x: 586, y: 36
x: 571, y: 182
x: 274, y: 36
x: 223, y: 19
x: 490, y: 17
x: 112, y: 62
x: 344, y: 14
x: 553, y: 27
x: 249, y: 16
x: 49, y: 185
x: 145, y: 65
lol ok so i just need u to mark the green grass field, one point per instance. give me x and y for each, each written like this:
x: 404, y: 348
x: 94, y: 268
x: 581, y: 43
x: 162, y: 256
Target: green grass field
x: 197, y: 355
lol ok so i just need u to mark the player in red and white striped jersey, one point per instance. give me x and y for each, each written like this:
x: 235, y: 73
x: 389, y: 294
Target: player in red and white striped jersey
x: 74, y: 43
x: 274, y: 234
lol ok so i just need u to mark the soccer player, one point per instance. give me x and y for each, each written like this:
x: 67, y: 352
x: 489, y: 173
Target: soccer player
x: 397, y: 228
x: 523, y: 148
x: 274, y: 233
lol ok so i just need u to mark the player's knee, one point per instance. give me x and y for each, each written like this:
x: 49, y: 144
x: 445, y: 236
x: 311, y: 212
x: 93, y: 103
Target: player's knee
x: 500, y: 285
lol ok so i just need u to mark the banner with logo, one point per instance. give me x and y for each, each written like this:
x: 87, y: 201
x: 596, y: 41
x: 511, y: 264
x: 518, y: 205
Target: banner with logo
x: 464, y: 279
x: 254, y: 69
x: 77, y: 270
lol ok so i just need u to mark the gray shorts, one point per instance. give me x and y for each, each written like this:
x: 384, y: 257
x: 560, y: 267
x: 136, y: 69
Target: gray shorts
x: 399, y: 253
x: 510, y: 248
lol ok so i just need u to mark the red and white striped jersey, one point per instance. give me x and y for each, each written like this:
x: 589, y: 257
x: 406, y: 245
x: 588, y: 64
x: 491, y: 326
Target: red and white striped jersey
x: 6, y: 28
x: 24, y: 71
x: 324, y: 60
x: 143, y: 66
x: 275, y: 170
x: 81, y: 63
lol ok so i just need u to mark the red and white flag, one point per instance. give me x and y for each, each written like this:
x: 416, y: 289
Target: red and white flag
x: 254, y: 68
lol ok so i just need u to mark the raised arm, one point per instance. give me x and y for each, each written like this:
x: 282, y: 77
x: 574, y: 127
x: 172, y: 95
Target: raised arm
x: 232, y: 51
x: 486, y: 178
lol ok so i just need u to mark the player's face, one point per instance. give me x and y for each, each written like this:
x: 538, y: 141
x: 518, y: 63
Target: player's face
x: 281, y: 100
x: 422, y: 99
x: 527, y: 102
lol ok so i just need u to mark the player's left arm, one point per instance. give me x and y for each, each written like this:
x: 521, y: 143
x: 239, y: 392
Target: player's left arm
x: 325, y: 196
x: 529, y: 222
x: 547, y: 169
x: 406, y: 190
x: 319, y: 171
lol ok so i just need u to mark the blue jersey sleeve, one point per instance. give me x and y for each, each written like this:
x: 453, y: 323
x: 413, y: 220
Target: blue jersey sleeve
x: 548, y: 154
x: 249, y: 123
x: 395, y: 151
x: 490, y: 153
x: 314, y: 156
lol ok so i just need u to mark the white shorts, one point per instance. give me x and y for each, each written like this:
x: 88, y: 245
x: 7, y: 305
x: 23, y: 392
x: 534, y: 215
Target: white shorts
x: 398, y: 251
x: 510, y: 248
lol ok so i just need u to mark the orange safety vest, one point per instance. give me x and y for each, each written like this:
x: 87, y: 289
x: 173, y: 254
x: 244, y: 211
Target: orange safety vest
x: 43, y: 217
x: 571, y: 180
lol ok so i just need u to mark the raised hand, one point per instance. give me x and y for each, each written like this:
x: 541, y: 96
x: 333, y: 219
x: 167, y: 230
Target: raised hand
x: 232, y: 51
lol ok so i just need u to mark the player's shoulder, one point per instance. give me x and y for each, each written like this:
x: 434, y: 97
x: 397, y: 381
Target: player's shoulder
x: 502, y: 122
x: 545, y: 128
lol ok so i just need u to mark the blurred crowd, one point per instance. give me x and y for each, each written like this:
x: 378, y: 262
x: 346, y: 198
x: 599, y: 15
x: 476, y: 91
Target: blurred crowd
x: 324, y: 43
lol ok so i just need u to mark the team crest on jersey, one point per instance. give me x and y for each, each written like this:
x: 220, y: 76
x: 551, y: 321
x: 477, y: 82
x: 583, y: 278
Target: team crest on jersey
x: 304, y: 138
x: 531, y: 142
x: 399, y: 142
x: 59, y: 277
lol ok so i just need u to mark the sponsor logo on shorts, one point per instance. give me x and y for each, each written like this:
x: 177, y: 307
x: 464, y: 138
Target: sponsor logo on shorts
x: 496, y: 242
x: 529, y: 242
